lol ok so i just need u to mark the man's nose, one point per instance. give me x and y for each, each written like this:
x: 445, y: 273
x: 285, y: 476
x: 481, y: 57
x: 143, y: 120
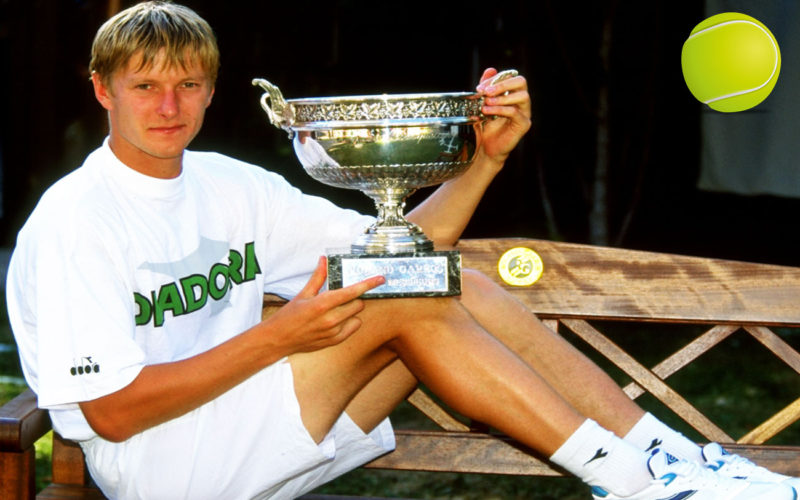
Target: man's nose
x: 168, y: 106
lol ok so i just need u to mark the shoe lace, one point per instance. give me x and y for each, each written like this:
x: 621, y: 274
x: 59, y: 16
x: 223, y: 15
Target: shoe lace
x: 690, y: 476
x: 734, y: 464
x: 690, y: 472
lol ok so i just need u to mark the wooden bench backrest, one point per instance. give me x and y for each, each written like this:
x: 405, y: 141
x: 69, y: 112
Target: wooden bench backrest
x: 600, y: 282
x: 582, y: 284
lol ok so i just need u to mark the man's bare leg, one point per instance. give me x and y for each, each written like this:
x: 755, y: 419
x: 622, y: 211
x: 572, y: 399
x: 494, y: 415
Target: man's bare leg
x: 574, y: 376
x: 381, y: 395
x: 590, y: 390
x: 440, y: 342
x: 577, y: 379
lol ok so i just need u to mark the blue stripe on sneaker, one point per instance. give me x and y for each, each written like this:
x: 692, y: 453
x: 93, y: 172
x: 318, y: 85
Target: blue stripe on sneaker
x: 682, y: 495
x: 599, y: 492
x: 668, y: 478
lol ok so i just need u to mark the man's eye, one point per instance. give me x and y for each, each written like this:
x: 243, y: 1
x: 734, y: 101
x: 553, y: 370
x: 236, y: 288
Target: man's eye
x: 143, y: 86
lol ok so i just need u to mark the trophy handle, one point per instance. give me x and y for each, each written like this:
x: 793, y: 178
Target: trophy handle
x: 280, y: 113
x: 499, y: 77
x: 503, y: 75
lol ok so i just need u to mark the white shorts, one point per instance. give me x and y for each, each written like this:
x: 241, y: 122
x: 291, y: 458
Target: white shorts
x: 248, y: 443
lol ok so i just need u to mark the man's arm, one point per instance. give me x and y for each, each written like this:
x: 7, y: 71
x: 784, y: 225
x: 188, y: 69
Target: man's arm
x: 161, y: 392
x: 444, y: 215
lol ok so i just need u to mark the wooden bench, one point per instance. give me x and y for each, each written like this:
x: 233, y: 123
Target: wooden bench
x: 584, y: 289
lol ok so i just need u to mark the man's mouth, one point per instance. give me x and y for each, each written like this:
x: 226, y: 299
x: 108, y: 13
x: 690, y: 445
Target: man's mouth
x: 167, y: 129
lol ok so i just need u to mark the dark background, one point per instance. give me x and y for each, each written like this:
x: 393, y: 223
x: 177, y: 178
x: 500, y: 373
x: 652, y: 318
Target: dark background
x: 50, y: 120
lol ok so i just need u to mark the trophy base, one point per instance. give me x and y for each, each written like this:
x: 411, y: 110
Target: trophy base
x: 417, y: 274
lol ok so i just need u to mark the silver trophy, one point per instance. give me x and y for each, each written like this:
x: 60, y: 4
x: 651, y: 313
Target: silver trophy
x: 386, y: 146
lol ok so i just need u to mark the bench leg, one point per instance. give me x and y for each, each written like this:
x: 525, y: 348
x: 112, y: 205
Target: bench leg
x: 69, y: 466
x: 18, y: 475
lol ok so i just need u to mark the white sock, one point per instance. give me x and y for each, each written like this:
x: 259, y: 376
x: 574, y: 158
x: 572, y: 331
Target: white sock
x: 602, y: 459
x: 650, y: 433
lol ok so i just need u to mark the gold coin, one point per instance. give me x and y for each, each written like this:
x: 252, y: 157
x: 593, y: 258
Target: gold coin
x: 520, y: 266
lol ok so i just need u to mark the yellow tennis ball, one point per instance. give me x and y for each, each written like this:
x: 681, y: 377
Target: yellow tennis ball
x: 730, y: 62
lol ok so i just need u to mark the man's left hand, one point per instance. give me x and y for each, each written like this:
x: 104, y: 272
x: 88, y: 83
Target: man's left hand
x: 508, y: 105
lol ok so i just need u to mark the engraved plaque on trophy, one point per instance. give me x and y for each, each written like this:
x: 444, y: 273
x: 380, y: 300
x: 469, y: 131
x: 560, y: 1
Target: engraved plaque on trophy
x: 386, y: 146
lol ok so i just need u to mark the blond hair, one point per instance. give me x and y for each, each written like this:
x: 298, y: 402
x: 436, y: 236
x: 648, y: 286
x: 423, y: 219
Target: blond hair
x: 146, y: 29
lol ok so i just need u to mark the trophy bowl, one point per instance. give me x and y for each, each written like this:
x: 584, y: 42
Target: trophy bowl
x: 386, y: 146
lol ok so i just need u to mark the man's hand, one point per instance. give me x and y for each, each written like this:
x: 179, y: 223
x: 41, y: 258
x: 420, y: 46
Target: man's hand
x: 508, y: 100
x: 444, y: 215
x: 314, y: 320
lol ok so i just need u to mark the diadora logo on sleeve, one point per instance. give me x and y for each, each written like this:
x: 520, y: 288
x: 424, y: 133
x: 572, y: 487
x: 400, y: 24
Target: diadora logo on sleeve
x: 192, y: 291
x: 84, y: 366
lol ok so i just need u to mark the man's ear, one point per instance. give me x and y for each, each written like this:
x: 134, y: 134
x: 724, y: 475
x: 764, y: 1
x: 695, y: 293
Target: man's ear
x: 101, y: 91
x: 210, y: 95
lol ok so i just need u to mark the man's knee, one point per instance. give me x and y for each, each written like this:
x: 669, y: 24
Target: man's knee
x: 475, y: 283
x: 404, y: 315
x: 412, y: 306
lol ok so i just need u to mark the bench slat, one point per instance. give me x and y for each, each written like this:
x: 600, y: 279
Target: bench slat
x: 612, y: 283
x: 468, y: 452
x: 57, y: 491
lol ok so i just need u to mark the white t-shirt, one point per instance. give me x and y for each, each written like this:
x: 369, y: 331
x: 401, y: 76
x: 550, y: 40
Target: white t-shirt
x: 115, y: 270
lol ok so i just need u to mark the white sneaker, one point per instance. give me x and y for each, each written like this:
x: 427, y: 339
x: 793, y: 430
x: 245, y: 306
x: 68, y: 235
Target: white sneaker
x: 675, y: 479
x: 735, y: 466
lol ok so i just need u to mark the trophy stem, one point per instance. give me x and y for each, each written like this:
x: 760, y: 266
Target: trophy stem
x: 391, y: 233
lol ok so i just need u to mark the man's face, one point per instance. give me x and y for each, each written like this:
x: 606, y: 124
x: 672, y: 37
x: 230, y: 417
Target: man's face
x: 154, y: 113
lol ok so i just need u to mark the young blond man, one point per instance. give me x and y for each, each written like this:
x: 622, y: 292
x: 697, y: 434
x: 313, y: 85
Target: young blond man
x: 148, y: 263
